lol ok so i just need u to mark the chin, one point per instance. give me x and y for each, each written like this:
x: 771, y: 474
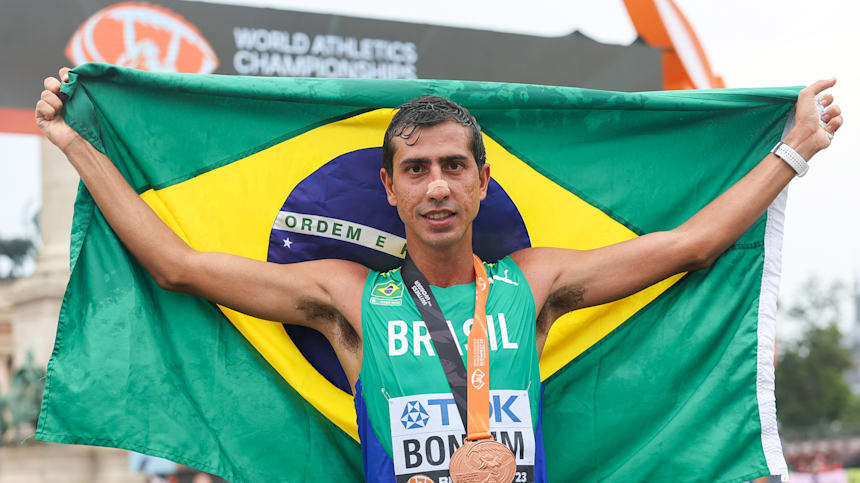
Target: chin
x: 442, y: 240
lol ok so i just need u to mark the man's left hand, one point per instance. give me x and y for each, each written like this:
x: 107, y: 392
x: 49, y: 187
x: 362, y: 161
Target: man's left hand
x: 808, y: 136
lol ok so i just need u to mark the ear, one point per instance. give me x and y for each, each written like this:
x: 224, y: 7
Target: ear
x: 485, y: 180
x: 388, y: 181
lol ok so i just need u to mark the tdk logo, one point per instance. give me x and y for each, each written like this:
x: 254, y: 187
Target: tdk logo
x: 414, y: 415
x: 501, y: 411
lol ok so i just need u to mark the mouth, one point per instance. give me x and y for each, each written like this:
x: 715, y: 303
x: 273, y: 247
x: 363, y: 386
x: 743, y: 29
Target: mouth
x: 438, y: 217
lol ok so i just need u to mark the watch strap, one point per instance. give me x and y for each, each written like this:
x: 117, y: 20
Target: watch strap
x: 789, y: 155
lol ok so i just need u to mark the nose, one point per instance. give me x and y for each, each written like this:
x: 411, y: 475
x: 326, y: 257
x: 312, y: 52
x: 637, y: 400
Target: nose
x: 438, y: 189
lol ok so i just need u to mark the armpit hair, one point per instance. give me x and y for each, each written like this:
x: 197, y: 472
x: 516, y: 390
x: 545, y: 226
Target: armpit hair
x: 331, y: 322
x: 564, y: 300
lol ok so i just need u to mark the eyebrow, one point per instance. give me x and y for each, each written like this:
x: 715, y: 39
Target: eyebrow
x: 444, y: 159
x: 411, y: 161
x: 455, y: 157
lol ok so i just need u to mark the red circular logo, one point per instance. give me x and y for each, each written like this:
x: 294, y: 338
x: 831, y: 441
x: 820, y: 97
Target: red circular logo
x: 142, y: 36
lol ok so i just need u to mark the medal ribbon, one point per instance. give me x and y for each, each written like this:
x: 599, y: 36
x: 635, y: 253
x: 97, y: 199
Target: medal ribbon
x: 473, y: 393
x: 478, y: 356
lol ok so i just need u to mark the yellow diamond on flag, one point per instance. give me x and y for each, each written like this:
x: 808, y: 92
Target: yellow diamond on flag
x: 251, y: 192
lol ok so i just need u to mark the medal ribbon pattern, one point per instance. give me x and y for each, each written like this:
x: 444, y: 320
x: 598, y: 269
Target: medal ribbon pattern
x: 478, y: 390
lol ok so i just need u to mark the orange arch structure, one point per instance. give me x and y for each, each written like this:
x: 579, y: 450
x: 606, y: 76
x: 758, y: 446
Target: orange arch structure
x: 662, y: 25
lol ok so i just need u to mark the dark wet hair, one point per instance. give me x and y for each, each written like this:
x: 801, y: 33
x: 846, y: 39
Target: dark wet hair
x: 426, y: 111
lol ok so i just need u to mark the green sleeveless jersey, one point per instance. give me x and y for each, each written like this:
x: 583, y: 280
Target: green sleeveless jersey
x: 405, y: 396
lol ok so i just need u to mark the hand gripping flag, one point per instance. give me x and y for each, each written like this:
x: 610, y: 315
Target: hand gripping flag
x: 673, y: 383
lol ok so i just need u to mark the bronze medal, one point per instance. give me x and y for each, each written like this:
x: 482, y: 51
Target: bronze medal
x: 484, y: 461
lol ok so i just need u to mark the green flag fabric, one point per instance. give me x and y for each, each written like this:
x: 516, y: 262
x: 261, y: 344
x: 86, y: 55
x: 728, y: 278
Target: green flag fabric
x: 674, y: 383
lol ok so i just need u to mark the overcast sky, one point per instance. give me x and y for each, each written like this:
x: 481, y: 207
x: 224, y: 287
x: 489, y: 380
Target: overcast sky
x: 750, y: 43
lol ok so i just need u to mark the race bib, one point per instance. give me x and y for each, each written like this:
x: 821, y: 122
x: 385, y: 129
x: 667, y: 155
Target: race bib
x: 426, y: 430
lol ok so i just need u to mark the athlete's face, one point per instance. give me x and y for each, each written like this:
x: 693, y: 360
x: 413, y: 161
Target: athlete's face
x: 438, y: 158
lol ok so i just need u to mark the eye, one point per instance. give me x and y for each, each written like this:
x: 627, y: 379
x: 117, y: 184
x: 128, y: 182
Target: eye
x: 455, y: 165
x: 414, y: 168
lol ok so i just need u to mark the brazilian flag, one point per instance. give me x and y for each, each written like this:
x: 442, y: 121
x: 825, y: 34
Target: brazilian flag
x: 674, y: 383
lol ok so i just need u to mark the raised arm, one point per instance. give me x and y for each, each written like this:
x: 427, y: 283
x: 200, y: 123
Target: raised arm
x: 564, y: 280
x: 319, y: 294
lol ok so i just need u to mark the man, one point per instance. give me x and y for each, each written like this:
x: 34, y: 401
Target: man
x: 435, y: 174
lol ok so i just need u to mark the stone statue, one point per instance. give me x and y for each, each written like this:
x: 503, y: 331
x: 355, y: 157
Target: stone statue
x: 25, y: 396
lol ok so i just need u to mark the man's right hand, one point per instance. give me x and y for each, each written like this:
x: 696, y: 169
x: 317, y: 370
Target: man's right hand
x: 48, y: 113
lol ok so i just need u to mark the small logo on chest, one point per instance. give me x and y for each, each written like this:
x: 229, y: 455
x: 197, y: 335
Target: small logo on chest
x: 387, y: 293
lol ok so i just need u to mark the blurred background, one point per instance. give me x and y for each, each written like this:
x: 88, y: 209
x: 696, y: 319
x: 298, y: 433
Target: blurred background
x: 633, y: 45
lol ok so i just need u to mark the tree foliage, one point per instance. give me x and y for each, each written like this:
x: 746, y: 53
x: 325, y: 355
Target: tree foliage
x: 811, y: 389
x: 15, y: 252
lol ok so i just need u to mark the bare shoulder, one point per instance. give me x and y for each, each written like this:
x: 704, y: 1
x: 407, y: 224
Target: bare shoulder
x: 343, y: 281
x: 543, y: 264
x: 334, y: 307
x: 528, y: 257
x: 340, y: 271
x: 537, y: 265
x: 548, y: 271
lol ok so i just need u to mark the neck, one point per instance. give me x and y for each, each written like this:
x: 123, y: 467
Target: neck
x: 445, y: 266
